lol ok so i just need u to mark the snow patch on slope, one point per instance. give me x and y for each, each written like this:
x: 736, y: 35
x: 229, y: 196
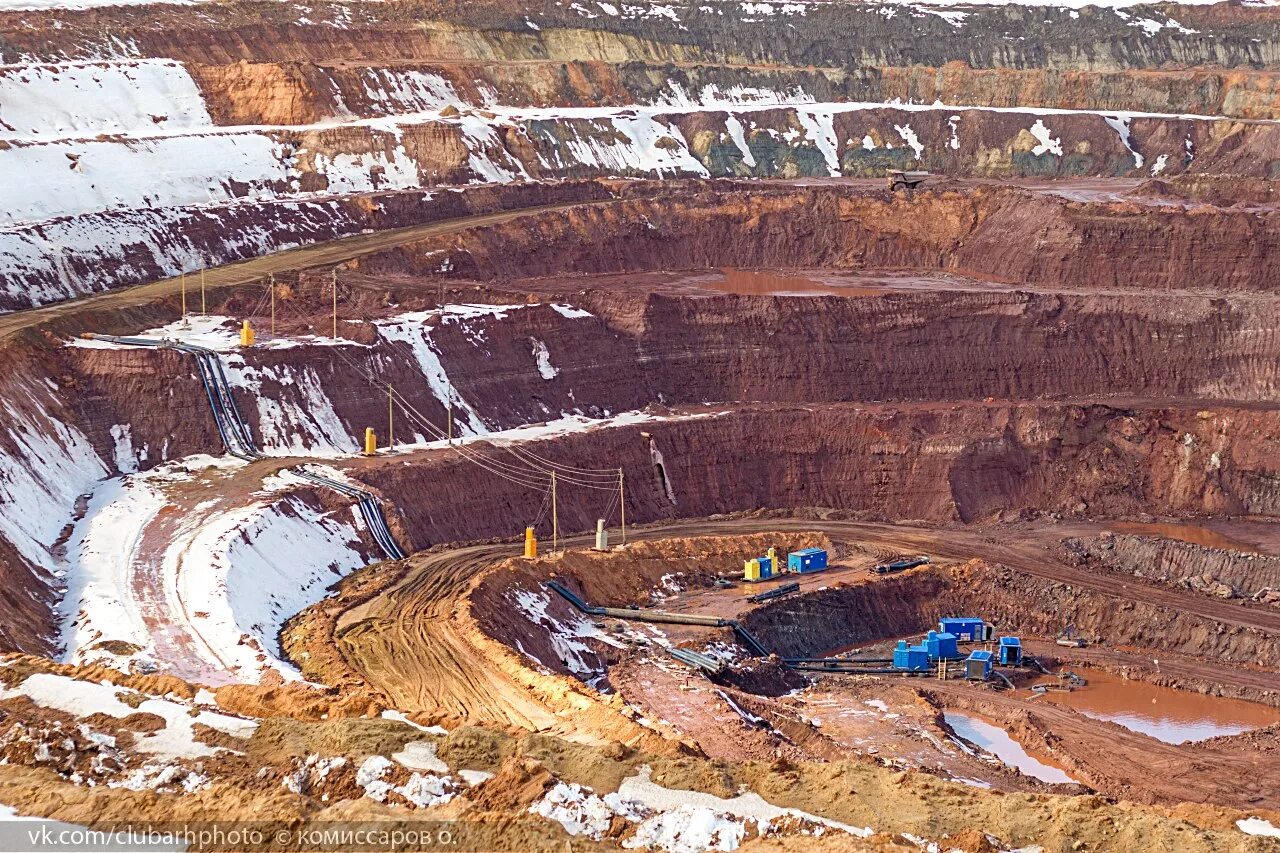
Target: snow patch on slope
x: 1046, y: 143
x: 414, y: 330
x: 45, y: 465
x: 251, y: 569
x: 97, y: 605
x: 566, y: 637
x: 84, y: 176
x: 1120, y: 124
x: 1258, y: 826
x: 177, y: 738
x: 221, y: 581
x: 545, y: 368
x: 673, y: 820
x: 105, y: 97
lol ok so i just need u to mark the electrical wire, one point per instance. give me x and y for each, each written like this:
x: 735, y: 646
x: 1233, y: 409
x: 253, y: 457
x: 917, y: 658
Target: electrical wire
x: 528, y: 477
x: 532, y: 474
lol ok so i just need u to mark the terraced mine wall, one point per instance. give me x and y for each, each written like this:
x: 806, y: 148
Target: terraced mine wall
x: 798, y: 34
x: 953, y: 463
x: 266, y: 122
x: 80, y: 414
x: 625, y: 352
x: 999, y: 235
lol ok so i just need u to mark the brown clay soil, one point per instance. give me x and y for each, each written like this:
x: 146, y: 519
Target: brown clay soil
x: 1054, y: 373
x: 1034, y: 426
x: 374, y: 636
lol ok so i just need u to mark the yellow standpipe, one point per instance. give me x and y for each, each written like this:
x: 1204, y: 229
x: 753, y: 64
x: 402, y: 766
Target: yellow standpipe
x: 370, y: 442
x: 773, y: 562
x: 530, y: 543
x: 246, y: 335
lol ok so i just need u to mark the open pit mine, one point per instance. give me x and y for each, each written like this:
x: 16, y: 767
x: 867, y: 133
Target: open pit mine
x: 651, y: 425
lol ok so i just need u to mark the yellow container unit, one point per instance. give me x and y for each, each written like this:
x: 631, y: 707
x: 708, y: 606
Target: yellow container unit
x: 751, y: 570
x: 247, y: 335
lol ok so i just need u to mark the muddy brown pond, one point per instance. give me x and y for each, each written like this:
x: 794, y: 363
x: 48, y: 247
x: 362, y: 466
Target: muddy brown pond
x: 1166, y: 714
x: 1192, y: 533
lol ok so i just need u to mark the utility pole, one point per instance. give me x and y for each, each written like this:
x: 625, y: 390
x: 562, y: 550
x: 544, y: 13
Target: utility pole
x: 622, y: 505
x: 273, y: 305
x: 204, y: 308
x: 451, y: 423
x: 334, y: 276
x: 555, y: 517
x: 184, y: 296
x: 391, y: 418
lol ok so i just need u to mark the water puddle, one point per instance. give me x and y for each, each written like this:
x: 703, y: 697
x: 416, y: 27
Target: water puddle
x: 997, y: 741
x: 1192, y: 533
x: 1173, y: 716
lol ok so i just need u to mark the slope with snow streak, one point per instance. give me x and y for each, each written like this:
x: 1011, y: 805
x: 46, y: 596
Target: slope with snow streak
x: 88, y: 98
x: 153, y: 167
x: 160, y: 165
x: 178, y: 571
x: 298, y: 406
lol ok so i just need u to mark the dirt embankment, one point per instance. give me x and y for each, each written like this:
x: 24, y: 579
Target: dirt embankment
x: 511, y: 605
x: 1017, y: 603
x: 1213, y: 571
x: 308, y: 774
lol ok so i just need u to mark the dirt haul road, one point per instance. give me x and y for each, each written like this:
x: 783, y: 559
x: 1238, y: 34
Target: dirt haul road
x: 255, y: 269
x: 415, y: 643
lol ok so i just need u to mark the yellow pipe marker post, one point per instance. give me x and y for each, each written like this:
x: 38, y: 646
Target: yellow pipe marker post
x: 370, y: 442
x: 246, y: 335
x: 530, y: 544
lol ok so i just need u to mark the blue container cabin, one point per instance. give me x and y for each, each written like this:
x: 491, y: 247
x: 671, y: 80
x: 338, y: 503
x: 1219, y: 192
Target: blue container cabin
x: 965, y: 628
x: 1010, y: 651
x: 910, y: 658
x: 766, y: 568
x: 807, y: 560
x: 941, y: 646
x: 977, y: 666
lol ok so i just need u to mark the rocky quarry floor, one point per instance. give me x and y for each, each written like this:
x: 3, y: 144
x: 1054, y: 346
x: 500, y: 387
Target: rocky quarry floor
x: 639, y: 263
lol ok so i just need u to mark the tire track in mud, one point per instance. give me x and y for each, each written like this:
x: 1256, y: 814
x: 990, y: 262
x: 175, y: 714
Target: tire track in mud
x: 408, y: 643
x: 415, y: 642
